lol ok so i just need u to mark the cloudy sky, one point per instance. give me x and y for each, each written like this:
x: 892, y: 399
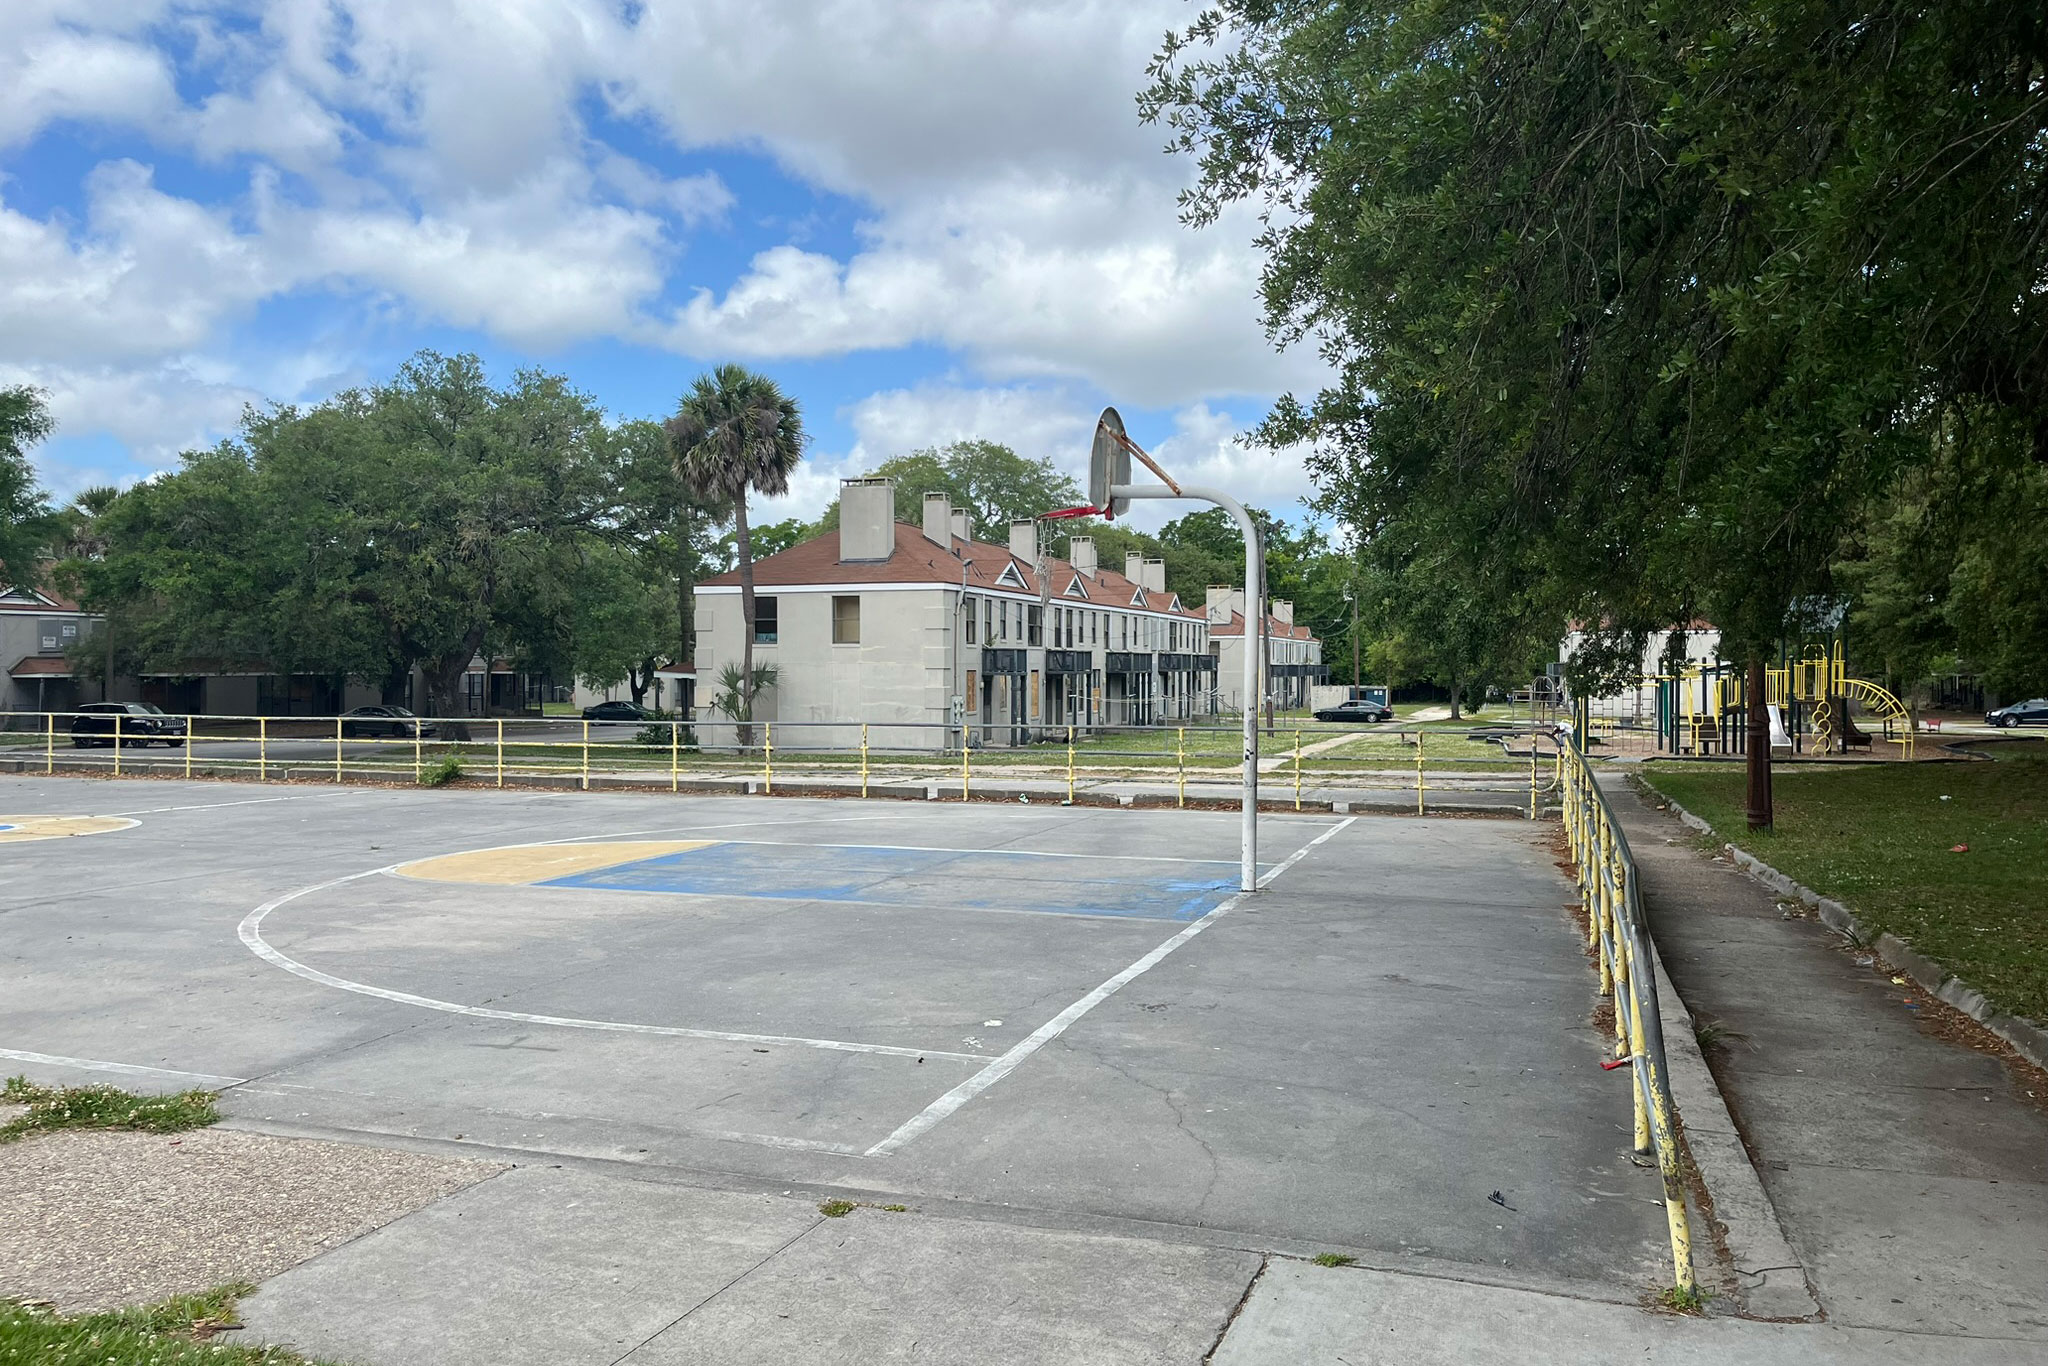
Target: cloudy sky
x: 930, y: 219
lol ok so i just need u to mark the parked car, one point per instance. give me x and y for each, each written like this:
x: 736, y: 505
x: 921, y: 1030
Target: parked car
x: 1356, y: 709
x: 618, y: 711
x: 2032, y: 712
x: 137, y: 723
x: 395, y: 722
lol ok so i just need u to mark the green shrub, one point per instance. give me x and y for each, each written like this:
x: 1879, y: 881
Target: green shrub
x: 442, y: 771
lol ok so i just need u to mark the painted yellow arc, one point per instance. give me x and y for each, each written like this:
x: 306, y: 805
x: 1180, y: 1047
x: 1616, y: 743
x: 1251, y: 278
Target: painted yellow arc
x: 17, y: 829
x: 521, y: 865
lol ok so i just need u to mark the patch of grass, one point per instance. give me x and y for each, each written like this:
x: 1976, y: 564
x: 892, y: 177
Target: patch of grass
x: 1333, y: 1259
x: 897, y: 1209
x: 837, y: 1209
x: 102, y: 1107
x: 175, y: 1332
x: 442, y: 771
x: 1878, y: 839
x: 1682, y: 1300
x: 1709, y: 1034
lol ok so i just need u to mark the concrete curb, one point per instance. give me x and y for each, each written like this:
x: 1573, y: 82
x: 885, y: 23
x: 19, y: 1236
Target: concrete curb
x: 1771, y: 1280
x: 2027, y: 1039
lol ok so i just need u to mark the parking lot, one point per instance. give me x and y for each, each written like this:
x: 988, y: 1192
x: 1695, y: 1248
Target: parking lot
x: 1066, y: 1013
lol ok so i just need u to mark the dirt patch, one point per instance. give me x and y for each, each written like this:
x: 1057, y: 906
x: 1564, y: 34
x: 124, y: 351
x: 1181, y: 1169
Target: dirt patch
x: 93, y: 1220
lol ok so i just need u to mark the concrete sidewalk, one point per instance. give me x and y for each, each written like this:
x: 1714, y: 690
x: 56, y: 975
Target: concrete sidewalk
x: 570, y: 1266
x: 1909, y: 1170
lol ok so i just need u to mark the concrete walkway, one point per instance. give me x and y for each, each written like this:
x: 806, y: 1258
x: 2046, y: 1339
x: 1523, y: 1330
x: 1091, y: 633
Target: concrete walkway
x: 1909, y: 1170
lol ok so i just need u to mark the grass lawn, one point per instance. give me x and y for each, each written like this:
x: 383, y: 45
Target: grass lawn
x: 1877, y: 839
x: 177, y: 1332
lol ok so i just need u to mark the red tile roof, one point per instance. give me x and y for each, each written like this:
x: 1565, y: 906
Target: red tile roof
x: 35, y: 600
x: 1276, y: 628
x: 917, y: 560
x: 41, y: 666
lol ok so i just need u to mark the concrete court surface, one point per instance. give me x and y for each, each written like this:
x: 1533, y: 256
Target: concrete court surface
x: 1031, y: 1022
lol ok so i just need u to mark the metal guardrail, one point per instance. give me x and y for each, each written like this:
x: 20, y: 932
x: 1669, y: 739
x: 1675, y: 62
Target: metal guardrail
x: 1615, y: 924
x: 1300, y: 757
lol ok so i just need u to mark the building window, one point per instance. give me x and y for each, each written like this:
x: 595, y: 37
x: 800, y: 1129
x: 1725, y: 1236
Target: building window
x: 764, y: 620
x: 846, y: 620
x: 1035, y: 621
x: 1003, y: 619
x: 972, y: 612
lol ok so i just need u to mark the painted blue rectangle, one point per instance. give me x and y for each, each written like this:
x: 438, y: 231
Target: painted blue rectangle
x: 976, y: 880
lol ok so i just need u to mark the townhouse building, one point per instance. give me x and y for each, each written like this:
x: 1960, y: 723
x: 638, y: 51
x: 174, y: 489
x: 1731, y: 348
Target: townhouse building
x: 923, y: 631
x: 1293, y: 655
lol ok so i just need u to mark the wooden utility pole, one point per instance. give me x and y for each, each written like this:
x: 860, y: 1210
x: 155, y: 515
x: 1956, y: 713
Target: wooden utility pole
x: 1756, y: 702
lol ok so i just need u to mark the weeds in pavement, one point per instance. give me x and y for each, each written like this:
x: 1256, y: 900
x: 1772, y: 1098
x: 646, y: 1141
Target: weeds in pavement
x: 102, y: 1107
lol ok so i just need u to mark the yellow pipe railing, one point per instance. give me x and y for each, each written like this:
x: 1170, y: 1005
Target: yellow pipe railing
x: 1615, y: 922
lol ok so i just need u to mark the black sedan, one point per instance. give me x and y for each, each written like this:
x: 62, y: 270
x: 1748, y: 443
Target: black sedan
x: 394, y: 722
x: 134, y: 723
x: 1357, y: 709
x: 2032, y: 712
x: 618, y: 711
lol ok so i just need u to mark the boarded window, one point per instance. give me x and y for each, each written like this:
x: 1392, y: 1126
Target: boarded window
x: 764, y: 620
x: 846, y: 620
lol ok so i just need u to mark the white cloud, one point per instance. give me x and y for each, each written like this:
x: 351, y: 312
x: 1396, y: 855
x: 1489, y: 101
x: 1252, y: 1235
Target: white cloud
x: 49, y: 73
x: 154, y: 411
x: 439, y: 164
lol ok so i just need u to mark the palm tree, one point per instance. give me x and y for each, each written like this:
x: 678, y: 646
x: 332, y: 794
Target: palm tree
x: 737, y: 431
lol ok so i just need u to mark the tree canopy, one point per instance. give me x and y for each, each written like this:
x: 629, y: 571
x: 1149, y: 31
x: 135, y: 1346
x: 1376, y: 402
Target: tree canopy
x: 416, y: 523
x: 26, y: 521
x: 1648, y: 306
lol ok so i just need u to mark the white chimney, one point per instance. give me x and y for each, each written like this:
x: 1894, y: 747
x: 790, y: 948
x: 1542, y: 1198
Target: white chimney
x: 1081, y: 554
x: 867, y: 519
x: 1134, y: 566
x: 963, y: 529
x: 1283, y: 610
x: 1024, y: 540
x: 938, y: 519
x: 1154, y: 579
x: 1223, y: 600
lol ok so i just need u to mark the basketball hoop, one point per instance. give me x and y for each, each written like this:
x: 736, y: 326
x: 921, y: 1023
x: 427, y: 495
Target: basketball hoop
x: 1109, y: 464
x: 1110, y: 492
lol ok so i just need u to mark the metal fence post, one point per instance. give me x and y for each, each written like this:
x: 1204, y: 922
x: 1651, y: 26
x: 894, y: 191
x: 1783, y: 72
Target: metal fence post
x: 50, y: 744
x: 1180, y: 750
x: 675, y: 751
x: 965, y: 775
x: 191, y: 739
x: 1297, y: 770
x: 863, y: 758
x: 1418, y: 770
x: 500, y: 752
x: 419, y: 768
x: 337, y: 748
x: 1532, y: 775
x: 262, y: 749
x: 586, y: 754
x: 768, y: 757
x: 1070, y: 765
x: 118, y: 743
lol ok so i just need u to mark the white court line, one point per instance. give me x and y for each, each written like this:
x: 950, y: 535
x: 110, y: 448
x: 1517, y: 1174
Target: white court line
x: 250, y: 932
x: 988, y: 1076
x: 126, y: 1069
x: 212, y: 806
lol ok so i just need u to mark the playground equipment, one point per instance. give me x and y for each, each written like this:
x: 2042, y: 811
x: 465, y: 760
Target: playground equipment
x: 1820, y: 680
x: 1703, y: 708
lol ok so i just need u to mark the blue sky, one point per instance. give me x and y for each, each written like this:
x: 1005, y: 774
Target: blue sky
x: 928, y: 221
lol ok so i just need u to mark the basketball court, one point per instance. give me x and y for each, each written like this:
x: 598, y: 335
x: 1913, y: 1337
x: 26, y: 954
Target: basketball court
x: 1071, y: 1015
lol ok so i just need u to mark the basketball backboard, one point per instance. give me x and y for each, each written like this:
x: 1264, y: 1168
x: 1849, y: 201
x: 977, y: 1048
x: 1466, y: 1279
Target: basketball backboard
x: 1109, y: 463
